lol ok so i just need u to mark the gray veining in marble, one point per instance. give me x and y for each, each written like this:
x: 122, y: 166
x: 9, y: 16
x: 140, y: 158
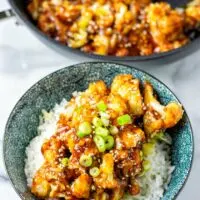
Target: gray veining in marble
x: 24, y: 60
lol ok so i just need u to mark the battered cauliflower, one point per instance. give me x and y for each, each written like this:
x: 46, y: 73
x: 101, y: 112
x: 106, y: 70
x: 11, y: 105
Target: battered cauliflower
x: 128, y: 88
x: 131, y: 136
x: 116, y: 106
x: 158, y: 117
x: 81, y: 186
x: 166, y: 26
x: 106, y: 178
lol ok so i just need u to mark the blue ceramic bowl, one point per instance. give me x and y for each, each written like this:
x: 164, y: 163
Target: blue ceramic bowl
x: 24, y: 119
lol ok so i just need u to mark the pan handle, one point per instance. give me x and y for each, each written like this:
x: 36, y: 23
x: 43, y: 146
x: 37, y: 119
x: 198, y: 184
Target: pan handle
x: 6, y: 14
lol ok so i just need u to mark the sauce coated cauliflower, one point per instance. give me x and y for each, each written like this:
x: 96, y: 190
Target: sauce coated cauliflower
x: 97, y: 149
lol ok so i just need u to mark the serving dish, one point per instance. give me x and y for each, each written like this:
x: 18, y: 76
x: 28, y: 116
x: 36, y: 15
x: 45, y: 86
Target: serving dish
x: 24, y: 119
x: 19, y: 7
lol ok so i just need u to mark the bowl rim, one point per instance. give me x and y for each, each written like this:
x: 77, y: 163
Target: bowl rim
x: 22, y: 16
x: 80, y: 65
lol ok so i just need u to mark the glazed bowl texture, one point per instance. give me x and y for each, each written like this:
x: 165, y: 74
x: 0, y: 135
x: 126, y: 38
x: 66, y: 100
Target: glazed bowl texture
x: 24, y: 119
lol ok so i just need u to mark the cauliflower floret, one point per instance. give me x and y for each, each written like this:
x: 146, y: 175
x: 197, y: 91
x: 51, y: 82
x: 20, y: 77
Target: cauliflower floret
x: 103, y: 14
x: 66, y: 11
x: 116, y: 106
x: 101, y: 44
x: 124, y: 19
x: 131, y: 136
x: 106, y: 178
x: 166, y: 26
x: 81, y: 186
x: 98, y: 87
x: 159, y: 117
x: 193, y: 12
x: 50, y: 149
x: 79, y: 35
x: 118, y: 193
x: 40, y: 187
x: 79, y: 39
x: 192, y: 16
x: 33, y: 8
x: 82, y: 113
x: 47, y: 182
x: 99, y: 195
x: 136, y: 6
x: 85, y: 108
x: 194, y: 3
x: 70, y: 141
x: 128, y: 88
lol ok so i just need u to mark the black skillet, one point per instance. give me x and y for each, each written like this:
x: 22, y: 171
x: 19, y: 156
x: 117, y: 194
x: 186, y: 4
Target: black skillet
x: 19, y: 8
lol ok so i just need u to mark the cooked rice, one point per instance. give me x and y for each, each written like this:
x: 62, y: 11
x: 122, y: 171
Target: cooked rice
x: 152, y: 184
x: 34, y: 158
x: 156, y: 180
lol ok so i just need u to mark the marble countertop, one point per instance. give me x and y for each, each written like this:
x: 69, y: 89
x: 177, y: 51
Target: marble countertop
x: 24, y: 60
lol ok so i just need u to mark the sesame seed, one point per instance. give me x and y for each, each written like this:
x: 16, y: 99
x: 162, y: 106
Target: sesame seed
x: 93, y: 187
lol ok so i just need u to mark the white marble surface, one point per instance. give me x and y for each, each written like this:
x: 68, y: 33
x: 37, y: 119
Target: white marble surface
x: 24, y: 60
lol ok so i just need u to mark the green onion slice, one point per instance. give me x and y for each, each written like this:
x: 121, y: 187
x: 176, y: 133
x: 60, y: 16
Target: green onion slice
x: 101, y: 131
x: 148, y: 148
x: 94, y: 171
x: 113, y: 130
x: 102, y: 106
x: 104, y: 115
x: 65, y: 162
x: 100, y: 143
x: 97, y: 122
x: 84, y: 129
x: 146, y: 165
x: 163, y: 137
x: 124, y: 120
x: 105, y: 121
x: 109, y: 142
x: 86, y: 160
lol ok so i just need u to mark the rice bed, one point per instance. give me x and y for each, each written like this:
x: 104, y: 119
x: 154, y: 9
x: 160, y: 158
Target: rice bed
x: 152, y: 184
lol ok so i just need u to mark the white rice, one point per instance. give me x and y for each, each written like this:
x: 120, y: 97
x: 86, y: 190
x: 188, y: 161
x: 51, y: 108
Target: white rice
x: 156, y: 180
x: 152, y: 184
x: 34, y: 158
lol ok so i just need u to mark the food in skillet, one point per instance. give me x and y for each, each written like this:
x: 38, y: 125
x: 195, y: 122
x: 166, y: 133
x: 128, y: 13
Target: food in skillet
x: 104, y: 144
x: 116, y: 27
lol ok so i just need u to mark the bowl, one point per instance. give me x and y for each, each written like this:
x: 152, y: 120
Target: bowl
x: 20, y: 9
x: 24, y: 119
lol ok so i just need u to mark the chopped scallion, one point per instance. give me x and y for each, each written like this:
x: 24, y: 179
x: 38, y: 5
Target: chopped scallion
x: 94, y: 171
x: 163, y: 137
x: 100, y: 143
x: 105, y: 121
x: 97, y: 122
x: 113, y: 130
x: 109, y: 142
x: 102, y: 106
x: 101, y: 131
x: 146, y: 165
x: 84, y: 129
x: 65, y: 162
x: 86, y: 160
x: 148, y: 148
x: 124, y: 120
